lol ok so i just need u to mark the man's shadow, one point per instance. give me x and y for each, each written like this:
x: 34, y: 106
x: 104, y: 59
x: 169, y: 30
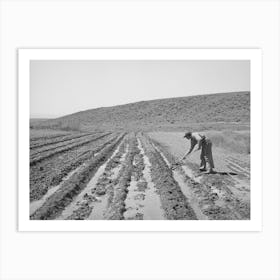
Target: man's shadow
x: 177, y: 164
x: 216, y: 172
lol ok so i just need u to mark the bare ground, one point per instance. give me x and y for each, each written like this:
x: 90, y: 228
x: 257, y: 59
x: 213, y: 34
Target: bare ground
x: 124, y: 177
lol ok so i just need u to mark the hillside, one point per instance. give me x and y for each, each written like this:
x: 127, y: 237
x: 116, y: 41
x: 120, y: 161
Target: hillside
x: 210, y: 108
x: 36, y: 121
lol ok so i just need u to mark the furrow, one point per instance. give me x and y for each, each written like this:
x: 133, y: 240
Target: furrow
x: 50, y: 172
x: 55, y: 204
x: 173, y: 201
x: 55, y: 141
x: 35, y: 205
x: 63, y: 149
x: 211, y: 194
x: 93, y: 194
x: 79, y: 160
x: 58, y: 145
x: 240, y: 162
x: 238, y: 168
x: 183, y: 179
x: 134, y: 202
x: 106, y: 183
x: 118, y: 193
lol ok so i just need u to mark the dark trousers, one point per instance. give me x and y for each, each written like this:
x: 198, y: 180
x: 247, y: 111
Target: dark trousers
x: 206, y: 154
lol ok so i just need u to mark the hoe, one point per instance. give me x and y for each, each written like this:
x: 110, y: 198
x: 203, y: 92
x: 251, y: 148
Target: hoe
x: 178, y: 163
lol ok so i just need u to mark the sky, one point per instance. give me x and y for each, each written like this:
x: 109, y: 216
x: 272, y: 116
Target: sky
x: 60, y: 87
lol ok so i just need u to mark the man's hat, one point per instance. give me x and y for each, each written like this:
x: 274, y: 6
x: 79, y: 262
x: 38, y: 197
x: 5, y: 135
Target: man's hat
x: 187, y: 134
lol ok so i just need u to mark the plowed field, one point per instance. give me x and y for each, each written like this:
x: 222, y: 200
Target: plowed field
x: 128, y: 176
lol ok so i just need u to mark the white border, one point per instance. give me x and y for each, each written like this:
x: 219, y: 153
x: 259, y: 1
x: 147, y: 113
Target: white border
x: 24, y: 57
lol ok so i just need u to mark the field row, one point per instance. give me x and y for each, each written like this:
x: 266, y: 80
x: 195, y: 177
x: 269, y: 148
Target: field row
x: 58, y: 139
x: 57, y: 148
x: 51, y: 170
x: 129, y: 177
x: 215, y: 197
x: 74, y: 185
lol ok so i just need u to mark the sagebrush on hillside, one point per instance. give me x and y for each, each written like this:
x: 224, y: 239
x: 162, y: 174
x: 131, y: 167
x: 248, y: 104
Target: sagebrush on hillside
x: 216, y: 108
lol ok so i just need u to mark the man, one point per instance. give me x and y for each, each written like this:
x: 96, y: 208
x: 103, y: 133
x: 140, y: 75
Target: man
x: 205, y: 145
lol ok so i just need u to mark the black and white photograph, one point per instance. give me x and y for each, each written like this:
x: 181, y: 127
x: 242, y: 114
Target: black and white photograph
x: 140, y: 140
